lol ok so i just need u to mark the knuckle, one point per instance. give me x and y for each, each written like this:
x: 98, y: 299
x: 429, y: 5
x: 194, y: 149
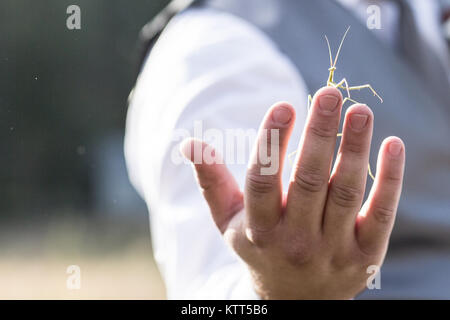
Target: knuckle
x: 209, y: 182
x: 260, y: 184
x: 239, y: 243
x: 345, y: 196
x: 393, y: 180
x: 341, y: 262
x: 236, y: 241
x: 298, y: 250
x: 383, y: 215
x: 309, y: 179
x: 259, y: 237
x: 323, y: 131
x: 354, y: 148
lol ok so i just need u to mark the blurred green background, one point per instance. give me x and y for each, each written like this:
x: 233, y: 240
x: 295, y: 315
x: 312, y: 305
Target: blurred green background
x: 65, y: 196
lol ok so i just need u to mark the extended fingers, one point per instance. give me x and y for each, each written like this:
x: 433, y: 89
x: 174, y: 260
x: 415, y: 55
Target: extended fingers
x: 218, y: 185
x: 348, y: 180
x: 309, y: 180
x: 263, y: 186
x: 377, y: 216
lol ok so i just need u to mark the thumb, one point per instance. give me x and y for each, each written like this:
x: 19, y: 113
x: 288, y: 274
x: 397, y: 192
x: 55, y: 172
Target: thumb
x: 217, y: 184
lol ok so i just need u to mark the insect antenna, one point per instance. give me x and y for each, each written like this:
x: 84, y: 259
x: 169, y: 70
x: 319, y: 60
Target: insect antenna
x: 329, y: 51
x: 340, y: 46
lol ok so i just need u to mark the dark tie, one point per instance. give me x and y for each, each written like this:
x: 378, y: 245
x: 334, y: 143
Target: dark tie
x: 423, y: 59
x: 445, y: 20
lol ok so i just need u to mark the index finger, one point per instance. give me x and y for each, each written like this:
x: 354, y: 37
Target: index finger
x: 263, y: 186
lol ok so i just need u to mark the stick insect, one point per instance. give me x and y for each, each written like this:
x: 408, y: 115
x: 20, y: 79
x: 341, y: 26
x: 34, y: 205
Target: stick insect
x: 343, y: 84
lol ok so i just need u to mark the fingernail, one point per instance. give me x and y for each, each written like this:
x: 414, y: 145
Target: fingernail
x: 395, y: 148
x: 358, y: 121
x: 328, y: 102
x: 281, y: 115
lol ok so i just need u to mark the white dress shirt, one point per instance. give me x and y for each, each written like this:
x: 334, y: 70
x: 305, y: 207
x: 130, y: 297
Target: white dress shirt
x: 214, y: 67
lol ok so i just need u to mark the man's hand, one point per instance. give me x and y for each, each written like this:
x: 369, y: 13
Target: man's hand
x: 316, y: 242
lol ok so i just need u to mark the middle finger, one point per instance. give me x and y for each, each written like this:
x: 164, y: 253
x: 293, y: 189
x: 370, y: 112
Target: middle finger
x: 309, y: 181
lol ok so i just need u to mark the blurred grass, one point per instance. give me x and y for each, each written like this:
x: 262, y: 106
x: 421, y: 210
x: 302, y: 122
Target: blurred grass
x: 114, y: 256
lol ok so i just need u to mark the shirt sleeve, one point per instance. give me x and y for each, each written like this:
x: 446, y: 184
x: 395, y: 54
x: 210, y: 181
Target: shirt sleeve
x: 209, y: 72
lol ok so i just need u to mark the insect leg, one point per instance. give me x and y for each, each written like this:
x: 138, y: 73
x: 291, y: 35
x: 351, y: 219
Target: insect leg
x: 349, y: 99
x: 291, y: 157
x: 343, y: 84
x: 370, y: 172
x: 366, y: 86
x: 309, y: 102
